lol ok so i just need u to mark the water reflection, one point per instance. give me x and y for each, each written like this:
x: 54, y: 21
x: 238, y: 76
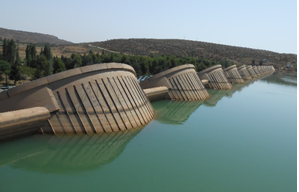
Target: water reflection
x: 174, y: 112
x: 282, y: 79
x: 177, y: 112
x: 216, y: 95
x: 239, y: 87
x: 65, y: 154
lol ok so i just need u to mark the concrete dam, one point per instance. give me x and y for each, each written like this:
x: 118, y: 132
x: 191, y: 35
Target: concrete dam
x: 104, y: 98
x: 92, y: 99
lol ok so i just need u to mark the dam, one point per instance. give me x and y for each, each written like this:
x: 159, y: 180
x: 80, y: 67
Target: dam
x: 92, y: 99
x: 182, y: 144
x: 104, y: 98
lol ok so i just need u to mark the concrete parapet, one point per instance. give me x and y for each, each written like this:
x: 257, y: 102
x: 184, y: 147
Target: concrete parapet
x: 92, y: 99
x: 251, y: 71
x: 233, y: 75
x: 182, y: 82
x: 22, y: 122
x: 156, y: 93
x: 244, y: 73
x: 216, y: 77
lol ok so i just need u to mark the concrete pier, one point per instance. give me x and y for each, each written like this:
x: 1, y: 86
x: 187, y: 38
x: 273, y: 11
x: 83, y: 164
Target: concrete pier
x: 156, y: 93
x: 22, y: 122
x: 216, y: 77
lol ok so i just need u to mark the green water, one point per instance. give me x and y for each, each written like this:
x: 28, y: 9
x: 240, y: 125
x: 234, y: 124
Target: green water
x: 239, y: 140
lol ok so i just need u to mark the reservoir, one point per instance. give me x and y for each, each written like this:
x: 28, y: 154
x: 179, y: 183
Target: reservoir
x: 243, y: 139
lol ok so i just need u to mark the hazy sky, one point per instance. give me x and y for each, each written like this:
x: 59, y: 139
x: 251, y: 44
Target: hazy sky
x: 262, y: 24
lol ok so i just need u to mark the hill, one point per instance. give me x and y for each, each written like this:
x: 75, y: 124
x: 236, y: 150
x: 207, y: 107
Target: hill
x: 30, y: 37
x: 148, y: 47
x: 238, y: 55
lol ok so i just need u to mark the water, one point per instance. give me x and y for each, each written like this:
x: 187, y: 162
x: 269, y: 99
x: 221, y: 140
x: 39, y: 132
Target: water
x: 239, y: 140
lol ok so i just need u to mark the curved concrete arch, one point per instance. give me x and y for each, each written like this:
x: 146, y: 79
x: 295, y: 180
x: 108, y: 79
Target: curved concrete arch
x: 257, y: 71
x: 182, y: 82
x: 251, y: 71
x: 216, y: 77
x: 233, y: 75
x: 92, y: 99
x: 244, y: 73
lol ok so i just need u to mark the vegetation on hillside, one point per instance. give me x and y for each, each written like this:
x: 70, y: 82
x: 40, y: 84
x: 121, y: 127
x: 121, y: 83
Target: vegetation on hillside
x: 37, y: 65
x: 211, y: 51
x: 152, y: 47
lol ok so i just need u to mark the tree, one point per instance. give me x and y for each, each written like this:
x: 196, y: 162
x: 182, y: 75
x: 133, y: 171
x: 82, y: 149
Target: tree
x: 4, y: 49
x: 153, y: 66
x: 200, y: 66
x: 224, y: 62
x: 173, y: 62
x: 31, y: 55
x: 87, y: 60
x: 137, y: 69
x: 67, y: 62
x: 58, y: 65
x: 47, y: 52
x: 9, y: 50
x: 143, y: 68
x: 76, y: 60
x: 253, y: 62
x: 15, y: 73
x: 49, y: 68
x: 41, y: 63
x: 5, y: 68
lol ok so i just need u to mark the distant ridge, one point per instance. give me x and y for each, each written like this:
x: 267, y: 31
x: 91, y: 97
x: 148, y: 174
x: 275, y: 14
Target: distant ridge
x: 179, y: 47
x: 30, y: 37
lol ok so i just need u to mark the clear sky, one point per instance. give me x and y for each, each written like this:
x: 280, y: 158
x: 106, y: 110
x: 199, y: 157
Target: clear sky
x: 262, y: 24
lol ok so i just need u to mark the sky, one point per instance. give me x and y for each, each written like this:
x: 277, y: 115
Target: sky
x: 259, y: 24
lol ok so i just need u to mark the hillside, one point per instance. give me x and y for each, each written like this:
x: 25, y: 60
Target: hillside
x: 238, y: 55
x: 30, y: 37
x: 147, y: 47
